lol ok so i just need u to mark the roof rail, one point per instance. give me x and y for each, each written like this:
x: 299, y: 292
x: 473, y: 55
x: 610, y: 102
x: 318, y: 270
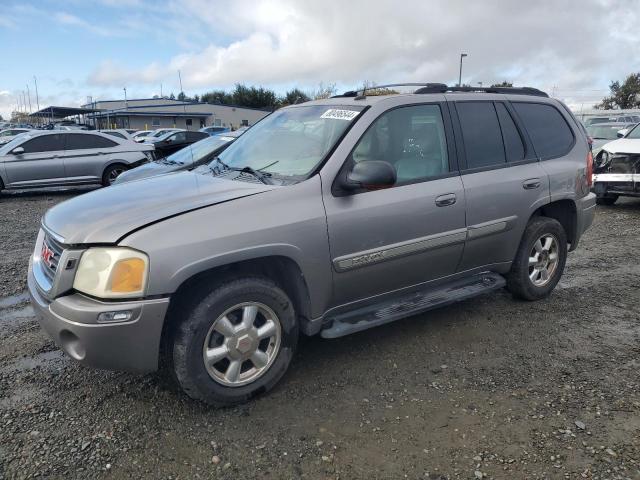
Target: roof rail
x: 427, y: 87
x: 502, y: 90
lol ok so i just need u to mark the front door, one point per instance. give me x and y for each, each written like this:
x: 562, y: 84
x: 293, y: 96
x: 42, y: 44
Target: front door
x: 40, y: 164
x: 385, y: 240
x: 503, y: 180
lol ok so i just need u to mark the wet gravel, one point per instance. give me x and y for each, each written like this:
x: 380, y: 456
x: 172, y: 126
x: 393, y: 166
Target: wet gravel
x: 488, y: 388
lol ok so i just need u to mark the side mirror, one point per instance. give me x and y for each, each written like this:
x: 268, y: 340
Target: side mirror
x: 18, y: 151
x: 621, y: 133
x: 370, y: 175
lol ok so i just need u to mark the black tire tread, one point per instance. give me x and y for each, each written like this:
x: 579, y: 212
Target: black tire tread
x: 201, y: 300
x: 518, y: 282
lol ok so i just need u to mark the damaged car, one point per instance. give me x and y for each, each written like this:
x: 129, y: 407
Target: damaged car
x: 617, y: 169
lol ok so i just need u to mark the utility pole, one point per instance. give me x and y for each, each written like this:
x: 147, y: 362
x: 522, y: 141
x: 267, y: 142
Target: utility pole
x: 126, y: 105
x: 180, y: 78
x: 161, y: 91
x: 184, y: 106
x: 462, y: 55
x: 35, y: 80
x: 29, y: 97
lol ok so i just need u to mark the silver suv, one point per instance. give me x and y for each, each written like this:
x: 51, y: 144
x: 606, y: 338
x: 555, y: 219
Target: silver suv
x: 328, y: 217
x: 76, y: 157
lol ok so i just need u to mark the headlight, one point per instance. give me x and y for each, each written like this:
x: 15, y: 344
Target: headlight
x: 112, y: 273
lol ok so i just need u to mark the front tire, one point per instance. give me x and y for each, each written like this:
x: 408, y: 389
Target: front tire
x: 236, y: 342
x: 539, y: 261
x: 111, y: 173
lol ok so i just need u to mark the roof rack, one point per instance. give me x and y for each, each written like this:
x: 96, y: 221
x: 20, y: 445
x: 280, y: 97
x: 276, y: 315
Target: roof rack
x: 443, y: 88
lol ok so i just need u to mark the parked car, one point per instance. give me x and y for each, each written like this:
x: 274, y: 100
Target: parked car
x: 617, y: 169
x: 602, y: 133
x: 53, y: 157
x: 140, y: 135
x: 190, y: 157
x: 173, y: 141
x: 161, y: 132
x: 118, y: 132
x: 213, y: 130
x: 328, y: 217
x: 9, y: 134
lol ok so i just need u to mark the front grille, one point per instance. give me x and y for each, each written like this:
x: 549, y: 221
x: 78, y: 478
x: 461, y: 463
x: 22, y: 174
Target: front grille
x: 50, y: 256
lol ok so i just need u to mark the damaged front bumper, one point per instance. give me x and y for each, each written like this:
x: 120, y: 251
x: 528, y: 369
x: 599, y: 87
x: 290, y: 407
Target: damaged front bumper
x: 617, y: 174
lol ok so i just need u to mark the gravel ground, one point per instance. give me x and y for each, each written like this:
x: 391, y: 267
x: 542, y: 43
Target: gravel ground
x: 488, y: 388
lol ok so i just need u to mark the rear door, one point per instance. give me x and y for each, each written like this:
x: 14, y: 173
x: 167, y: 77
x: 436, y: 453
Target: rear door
x: 503, y: 181
x: 40, y: 164
x: 86, y: 155
x: 385, y: 240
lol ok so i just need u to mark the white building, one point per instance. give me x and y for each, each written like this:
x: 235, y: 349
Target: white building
x: 152, y: 113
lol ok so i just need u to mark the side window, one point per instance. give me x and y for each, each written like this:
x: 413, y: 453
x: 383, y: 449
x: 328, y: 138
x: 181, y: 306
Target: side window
x: 513, y: 146
x: 481, y: 134
x: 116, y: 134
x: 80, y: 141
x: 179, y: 137
x: 412, y: 139
x: 44, y: 143
x: 547, y: 128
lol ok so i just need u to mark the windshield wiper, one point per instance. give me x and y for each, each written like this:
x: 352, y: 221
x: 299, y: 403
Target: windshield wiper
x: 220, y: 162
x: 262, y: 176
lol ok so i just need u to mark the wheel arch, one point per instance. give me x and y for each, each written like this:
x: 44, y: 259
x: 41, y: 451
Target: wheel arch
x: 283, y: 270
x: 565, y: 212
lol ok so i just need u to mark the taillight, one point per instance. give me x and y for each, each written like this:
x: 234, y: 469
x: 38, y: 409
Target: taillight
x: 589, y: 169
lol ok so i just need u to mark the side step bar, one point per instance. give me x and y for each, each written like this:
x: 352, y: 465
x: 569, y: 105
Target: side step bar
x: 411, y: 304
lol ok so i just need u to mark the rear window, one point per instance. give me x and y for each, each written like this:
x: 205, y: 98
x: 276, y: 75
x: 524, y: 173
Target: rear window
x: 551, y: 135
x: 513, y: 146
x: 44, y: 143
x: 481, y: 134
x: 76, y: 141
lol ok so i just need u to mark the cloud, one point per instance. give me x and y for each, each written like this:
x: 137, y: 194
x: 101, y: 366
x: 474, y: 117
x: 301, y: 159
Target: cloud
x: 69, y: 20
x: 273, y: 42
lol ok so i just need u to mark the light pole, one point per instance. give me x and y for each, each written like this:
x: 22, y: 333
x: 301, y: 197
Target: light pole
x: 462, y: 55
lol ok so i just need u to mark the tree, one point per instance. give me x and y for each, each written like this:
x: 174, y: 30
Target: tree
x: 503, y: 84
x: 182, y: 97
x: 172, y: 96
x: 292, y: 97
x: 324, y: 91
x: 217, y: 97
x: 623, y: 96
x: 253, y: 97
x: 1, y: 119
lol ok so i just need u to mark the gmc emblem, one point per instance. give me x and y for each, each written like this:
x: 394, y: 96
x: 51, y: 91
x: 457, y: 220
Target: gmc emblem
x: 47, y: 255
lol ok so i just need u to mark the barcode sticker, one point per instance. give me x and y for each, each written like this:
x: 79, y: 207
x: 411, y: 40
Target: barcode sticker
x: 340, y: 114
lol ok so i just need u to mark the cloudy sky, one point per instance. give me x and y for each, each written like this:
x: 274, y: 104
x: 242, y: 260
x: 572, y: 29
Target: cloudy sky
x: 81, y: 48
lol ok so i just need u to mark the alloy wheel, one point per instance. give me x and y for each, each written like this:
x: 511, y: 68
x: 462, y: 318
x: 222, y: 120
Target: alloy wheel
x: 241, y: 344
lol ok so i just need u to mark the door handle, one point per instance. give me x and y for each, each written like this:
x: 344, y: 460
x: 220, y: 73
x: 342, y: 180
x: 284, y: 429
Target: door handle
x: 446, y: 200
x: 531, y: 184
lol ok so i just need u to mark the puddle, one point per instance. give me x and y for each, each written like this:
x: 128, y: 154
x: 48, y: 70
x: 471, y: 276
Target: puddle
x: 10, y: 319
x: 14, y: 300
x: 49, y: 360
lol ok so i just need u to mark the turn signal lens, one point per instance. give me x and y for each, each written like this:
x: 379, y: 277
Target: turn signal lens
x: 115, y: 272
x: 127, y: 276
x: 589, y: 172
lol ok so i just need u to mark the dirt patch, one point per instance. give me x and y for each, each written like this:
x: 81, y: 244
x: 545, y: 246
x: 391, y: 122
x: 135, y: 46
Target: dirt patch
x: 489, y: 387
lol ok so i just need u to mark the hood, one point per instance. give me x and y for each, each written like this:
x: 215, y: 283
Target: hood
x: 147, y: 170
x: 108, y: 214
x: 623, y: 145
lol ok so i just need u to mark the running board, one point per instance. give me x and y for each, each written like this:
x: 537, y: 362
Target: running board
x: 411, y: 304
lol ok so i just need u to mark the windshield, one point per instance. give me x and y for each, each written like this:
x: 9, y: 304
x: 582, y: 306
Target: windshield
x: 15, y: 141
x: 161, y: 133
x: 197, y: 151
x: 635, y: 133
x: 604, y: 133
x: 291, y: 142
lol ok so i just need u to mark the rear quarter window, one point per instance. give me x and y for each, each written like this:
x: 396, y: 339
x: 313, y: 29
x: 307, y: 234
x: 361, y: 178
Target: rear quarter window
x: 550, y: 133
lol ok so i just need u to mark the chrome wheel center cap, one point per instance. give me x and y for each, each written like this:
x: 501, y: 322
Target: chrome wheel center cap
x: 244, y: 344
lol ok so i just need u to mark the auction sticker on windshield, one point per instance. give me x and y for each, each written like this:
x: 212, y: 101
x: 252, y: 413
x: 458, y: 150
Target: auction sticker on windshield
x: 340, y: 114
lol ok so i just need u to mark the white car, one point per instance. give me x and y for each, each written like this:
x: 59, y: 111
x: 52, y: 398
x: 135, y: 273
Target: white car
x: 118, y: 132
x: 161, y: 132
x: 9, y: 134
x: 617, y: 169
x: 140, y: 135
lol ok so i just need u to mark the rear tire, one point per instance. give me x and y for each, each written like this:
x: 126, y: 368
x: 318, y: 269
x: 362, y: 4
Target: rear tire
x: 539, y: 261
x: 236, y: 342
x: 606, y: 200
x: 111, y: 173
